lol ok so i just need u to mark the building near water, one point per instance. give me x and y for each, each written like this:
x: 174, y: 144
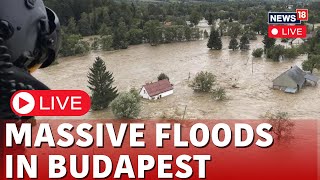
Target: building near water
x: 157, y: 90
x: 292, y: 80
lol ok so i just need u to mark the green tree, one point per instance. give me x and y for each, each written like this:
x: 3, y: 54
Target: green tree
x: 95, y: 44
x: 153, y: 32
x: 101, y: 85
x: 126, y: 105
x: 106, y: 42
x: 72, y: 44
x: 82, y: 47
x: 268, y: 42
x: 291, y: 53
x: 188, y: 33
x: 203, y: 82
x: 244, y: 42
x: 276, y: 52
x: 234, y: 29
x: 105, y: 30
x: 214, y: 41
x: 135, y: 36
x: 119, y: 36
x: 223, y: 25
x: 257, y: 52
x: 162, y: 76
x: 195, y: 17
x: 84, y: 25
x: 233, y: 44
x: 219, y: 94
x: 72, y: 27
x: 312, y: 63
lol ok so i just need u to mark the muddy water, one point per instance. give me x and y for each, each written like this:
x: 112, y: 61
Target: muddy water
x: 142, y: 63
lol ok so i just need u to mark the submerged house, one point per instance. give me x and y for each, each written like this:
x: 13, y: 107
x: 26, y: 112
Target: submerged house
x: 292, y: 80
x: 157, y: 90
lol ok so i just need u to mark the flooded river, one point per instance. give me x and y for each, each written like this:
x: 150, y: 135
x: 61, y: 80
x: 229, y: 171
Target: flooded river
x: 139, y: 64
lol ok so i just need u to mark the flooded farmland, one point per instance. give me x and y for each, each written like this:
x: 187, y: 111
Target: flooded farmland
x: 247, y: 80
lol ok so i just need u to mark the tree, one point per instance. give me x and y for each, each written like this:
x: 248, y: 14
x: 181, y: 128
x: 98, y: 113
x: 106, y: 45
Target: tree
x: 105, y: 30
x: 276, y: 52
x: 72, y: 27
x: 203, y: 82
x: 282, y: 126
x: 257, y: 52
x: 119, y: 36
x: 223, y: 26
x: 268, y: 42
x: 291, y: 53
x: 126, y: 105
x: 233, y: 44
x: 234, y: 29
x: 312, y: 63
x: 72, y: 45
x: 244, y: 42
x: 84, y: 25
x: 188, y: 33
x: 214, y: 41
x: 82, y: 47
x: 106, y: 42
x: 219, y: 94
x: 153, y: 32
x: 135, y: 36
x: 195, y: 17
x: 100, y: 83
x: 162, y: 76
x: 95, y: 44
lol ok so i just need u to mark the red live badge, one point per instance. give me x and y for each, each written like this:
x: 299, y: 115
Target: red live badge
x: 287, y: 31
x: 50, y: 103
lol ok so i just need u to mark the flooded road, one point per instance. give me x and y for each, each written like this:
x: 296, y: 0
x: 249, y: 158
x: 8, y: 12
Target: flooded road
x: 139, y: 64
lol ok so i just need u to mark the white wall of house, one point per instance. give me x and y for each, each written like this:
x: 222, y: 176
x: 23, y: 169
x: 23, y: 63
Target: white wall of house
x: 145, y: 94
x: 162, y: 95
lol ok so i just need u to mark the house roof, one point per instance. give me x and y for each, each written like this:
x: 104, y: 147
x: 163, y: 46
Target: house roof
x: 296, y: 74
x: 159, y: 87
x: 311, y: 77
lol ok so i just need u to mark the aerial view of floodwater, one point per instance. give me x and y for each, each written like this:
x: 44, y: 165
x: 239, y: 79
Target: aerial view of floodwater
x: 247, y: 80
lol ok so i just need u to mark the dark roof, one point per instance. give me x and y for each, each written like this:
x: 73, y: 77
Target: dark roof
x: 311, y: 77
x: 159, y: 87
x: 297, y: 75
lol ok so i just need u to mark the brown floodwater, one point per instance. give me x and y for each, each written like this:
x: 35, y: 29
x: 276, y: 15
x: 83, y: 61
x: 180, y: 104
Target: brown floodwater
x: 139, y: 64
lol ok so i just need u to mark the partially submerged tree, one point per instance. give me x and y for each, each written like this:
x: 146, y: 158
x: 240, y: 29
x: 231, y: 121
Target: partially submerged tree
x: 100, y: 83
x: 268, y: 42
x: 257, y: 52
x: 276, y: 52
x: 162, y: 76
x: 312, y: 63
x: 233, y: 44
x: 214, y: 41
x: 244, y: 43
x: 126, y: 105
x: 203, y: 82
x: 219, y: 94
x: 282, y: 126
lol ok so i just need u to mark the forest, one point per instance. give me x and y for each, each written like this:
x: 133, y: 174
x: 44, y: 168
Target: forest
x: 119, y: 24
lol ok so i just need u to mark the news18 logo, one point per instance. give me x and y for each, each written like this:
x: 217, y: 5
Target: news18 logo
x: 287, y: 24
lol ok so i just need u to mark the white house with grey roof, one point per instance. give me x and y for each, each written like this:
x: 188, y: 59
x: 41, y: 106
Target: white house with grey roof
x: 292, y: 80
